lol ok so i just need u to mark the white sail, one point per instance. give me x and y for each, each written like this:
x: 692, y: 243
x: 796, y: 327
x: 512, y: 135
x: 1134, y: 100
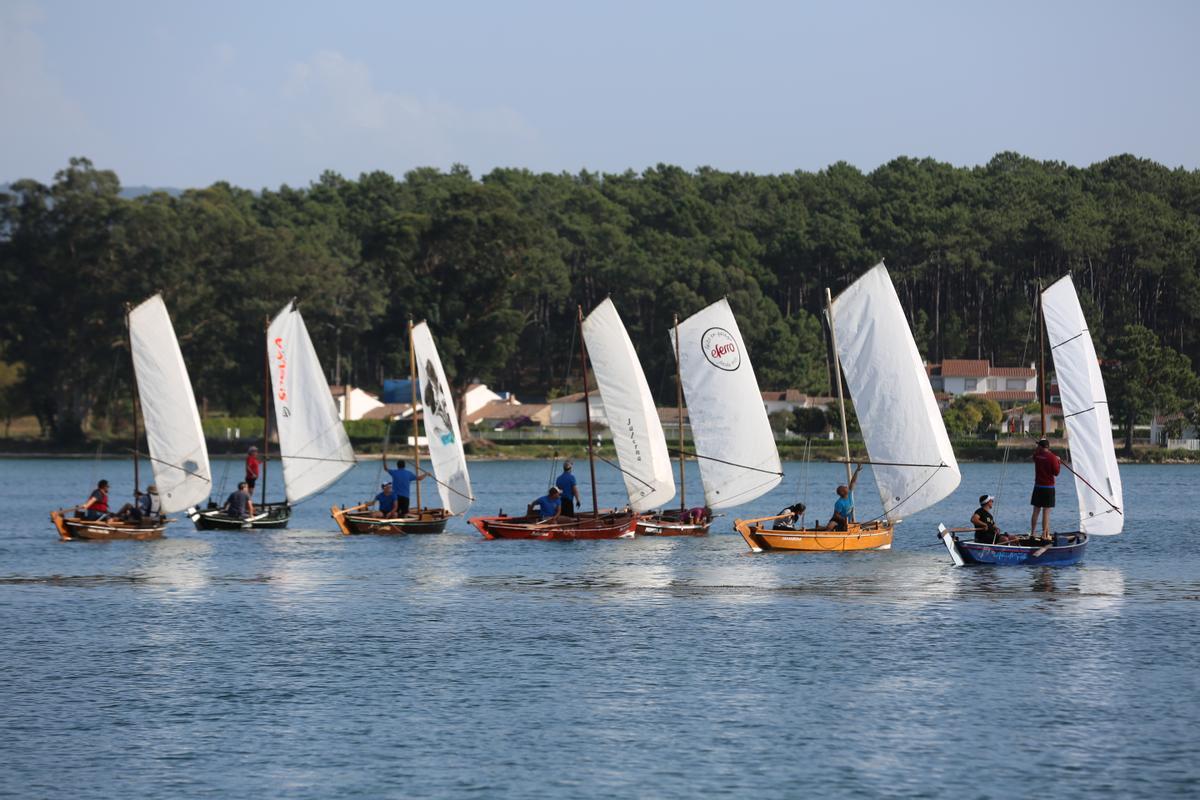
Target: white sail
x: 441, y: 425
x: 1085, y: 410
x: 736, y: 449
x: 896, y: 409
x: 181, y: 471
x: 313, y: 444
x: 632, y: 416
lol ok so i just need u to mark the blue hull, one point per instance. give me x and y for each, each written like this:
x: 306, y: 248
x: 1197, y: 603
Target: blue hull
x: 1067, y: 549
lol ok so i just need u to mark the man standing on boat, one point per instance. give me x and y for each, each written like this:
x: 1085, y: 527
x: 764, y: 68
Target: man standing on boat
x: 253, y: 465
x: 548, y: 505
x: 1046, y: 465
x: 843, y: 509
x: 567, y: 486
x: 402, y: 485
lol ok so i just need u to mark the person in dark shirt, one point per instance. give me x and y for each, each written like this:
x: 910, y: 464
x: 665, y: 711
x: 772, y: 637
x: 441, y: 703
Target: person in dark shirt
x: 985, y: 525
x: 788, y: 517
x: 96, y: 506
x: 239, y: 503
x: 389, y: 502
x: 547, y: 506
x: 568, y: 486
x: 1046, y: 466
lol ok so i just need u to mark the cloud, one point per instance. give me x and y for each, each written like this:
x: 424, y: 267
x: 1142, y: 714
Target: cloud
x: 43, y: 125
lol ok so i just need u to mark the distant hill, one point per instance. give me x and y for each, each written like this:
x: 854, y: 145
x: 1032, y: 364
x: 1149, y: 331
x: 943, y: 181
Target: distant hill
x: 128, y: 192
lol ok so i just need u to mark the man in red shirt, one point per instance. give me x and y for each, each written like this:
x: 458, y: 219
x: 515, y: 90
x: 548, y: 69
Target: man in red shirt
x: 252, y: 466
x: 1045, y: 466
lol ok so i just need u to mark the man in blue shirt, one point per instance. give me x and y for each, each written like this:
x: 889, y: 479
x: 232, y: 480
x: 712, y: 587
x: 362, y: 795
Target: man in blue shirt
x: 388, y: 502
x: 843, y: 509
x: 402, y: 485
x: 547, y: 506
x: 566, y: 484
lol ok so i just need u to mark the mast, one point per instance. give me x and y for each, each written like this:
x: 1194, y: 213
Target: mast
x: 587, y: 413
x: 137, y: 484
x: 412, y: 370
x: 266, y: 409
x: 1042, y: 361
x: 679, y: 403
x: 837, y: 372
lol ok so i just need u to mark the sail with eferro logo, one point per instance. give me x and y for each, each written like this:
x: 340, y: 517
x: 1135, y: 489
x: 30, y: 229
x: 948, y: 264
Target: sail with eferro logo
x: 1093, y: 456
x: 637, y: 433
x: 909, y: 450
x: 734, y: 446
x: 445, y: 451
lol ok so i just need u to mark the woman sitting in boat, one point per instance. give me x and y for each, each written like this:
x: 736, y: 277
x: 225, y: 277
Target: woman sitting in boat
x: 96, y: 506
x: 986, y: 531
x: 789, y: 516
x: 843, y: 509
x: 389, y: 502
x: 696, y: 516
x: 548, y: 505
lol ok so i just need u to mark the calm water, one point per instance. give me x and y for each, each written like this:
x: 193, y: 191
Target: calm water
x: 306, y: 664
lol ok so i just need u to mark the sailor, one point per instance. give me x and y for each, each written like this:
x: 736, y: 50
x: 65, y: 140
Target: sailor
x: 986, y: 531
x: 697, y: 515
x: 1045, y: 466
x: 96, y: 506
x: 239, y: 504
x: 145, y: 506
x: 548, y: 505
x: 843, y: 509
x: 788, y: 517
x: 252, y: 467
x: 388, y: 502
x: 567, y: 485
x: 402, y: 485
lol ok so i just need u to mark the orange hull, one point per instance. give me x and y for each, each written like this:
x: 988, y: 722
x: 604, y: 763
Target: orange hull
x: 860, y: 536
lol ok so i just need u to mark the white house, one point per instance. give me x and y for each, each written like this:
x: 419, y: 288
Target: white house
x: 352, y: 402
x: 479, y: 395
x: 792, y: 399
x: 568, y: 410
x: 978, y: 378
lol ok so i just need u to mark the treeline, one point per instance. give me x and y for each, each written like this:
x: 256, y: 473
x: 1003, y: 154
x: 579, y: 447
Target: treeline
x: 498, y: 265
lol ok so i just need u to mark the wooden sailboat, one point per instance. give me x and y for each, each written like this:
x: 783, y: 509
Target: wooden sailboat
x: 445, y: 450
x: 734, y: 447
x: 1089, y: 426
x: 313, y: 447
x: 642, y: 454
x: 179, y: 458
x: 910, y: 452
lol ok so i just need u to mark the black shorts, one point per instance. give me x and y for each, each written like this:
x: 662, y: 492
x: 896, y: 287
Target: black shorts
x: 250, y: 482
x: 402, y: 505
x: 1043, y: 497
x: 568, y: 506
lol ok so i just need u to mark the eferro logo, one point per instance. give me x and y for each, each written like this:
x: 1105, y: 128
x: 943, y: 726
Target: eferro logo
x: 720, y: 349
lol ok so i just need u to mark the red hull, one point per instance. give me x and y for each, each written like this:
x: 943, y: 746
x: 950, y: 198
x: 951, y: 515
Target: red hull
x: 605, y: 526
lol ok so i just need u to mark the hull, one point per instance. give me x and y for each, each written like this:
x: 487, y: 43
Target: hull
x: 667, y: 523
x: 272, y: 515
x: 73, y: 528
x: 1065, y: 549
x: 423, y: 520
x: 606, y: 526
x: 860, y: 536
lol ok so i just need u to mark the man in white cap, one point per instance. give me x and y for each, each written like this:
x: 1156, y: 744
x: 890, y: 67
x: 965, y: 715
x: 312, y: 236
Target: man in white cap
x: 986, y: 531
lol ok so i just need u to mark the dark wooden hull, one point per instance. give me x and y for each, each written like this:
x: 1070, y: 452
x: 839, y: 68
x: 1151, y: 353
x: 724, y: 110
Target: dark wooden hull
x: 74, y: 528
x: 667, y: 523
x: 422, y: 520
x: 1064, y: 550
x: 611, y: 525
x: 269, y: 516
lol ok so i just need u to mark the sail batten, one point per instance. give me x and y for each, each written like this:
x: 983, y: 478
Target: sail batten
x: 313, y: 445
x: 175, y: 437
x: 892, y: 397
x: 734, y: 445
x: 1081, y: 387
x: 632, y: 415
x: 441, y: 425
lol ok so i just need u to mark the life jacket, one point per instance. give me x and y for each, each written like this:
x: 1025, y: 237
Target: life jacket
x: 101, y: 504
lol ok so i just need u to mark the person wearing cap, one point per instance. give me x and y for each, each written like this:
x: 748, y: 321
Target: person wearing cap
x: 548, y: 505
x: 96, y: 506
x: 986, y: 531
x: 1046, y: 465
x: 843, y: 509
x: 253, y: 466
x: 402, y: 479
x: 568, y: 487
x: 389, y: 502
x: 239, y: 504
x: 145, y: 506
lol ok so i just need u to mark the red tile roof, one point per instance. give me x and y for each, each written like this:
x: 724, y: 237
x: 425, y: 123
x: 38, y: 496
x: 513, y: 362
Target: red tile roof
x: 962, y: 368
x: 1014, y: 372
x: 1010, y: 397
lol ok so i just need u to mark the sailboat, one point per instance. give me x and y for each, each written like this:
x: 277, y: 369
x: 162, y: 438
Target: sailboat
x: 637, y: 433
x: 1089, y: 428
x: 178, y: 455
x: 734, y: 445
x: 445, y: 450
x: 313, y: 446
x: 905, y: 437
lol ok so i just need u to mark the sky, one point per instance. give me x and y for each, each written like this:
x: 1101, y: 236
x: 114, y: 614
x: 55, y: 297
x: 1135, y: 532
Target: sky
x: 263, y: 93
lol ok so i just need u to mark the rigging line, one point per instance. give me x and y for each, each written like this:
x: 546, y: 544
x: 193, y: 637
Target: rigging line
x: 319, y: 458
x: 745, y: 491
x: 722, y: 461
x: 172, y: 466
x: 1093, y: 488
x: 911, y: 494
x: 1077, y: 413
x: 1068, y: 341
x: 884, y: 463
x: 448, y: 486
x: 618, y: 468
